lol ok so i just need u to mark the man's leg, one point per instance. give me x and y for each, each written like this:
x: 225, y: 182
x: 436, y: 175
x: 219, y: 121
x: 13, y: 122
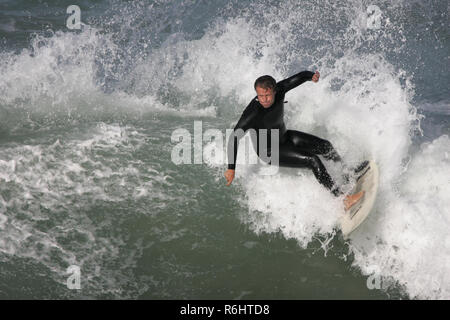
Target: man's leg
x: 313, y: 144
x: 319, y: 146
x: 294, y: 157
x: 292, y: 154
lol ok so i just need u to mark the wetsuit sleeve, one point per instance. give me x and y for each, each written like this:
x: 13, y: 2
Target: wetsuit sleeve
x: 294, y: 81
x: 245, y: 122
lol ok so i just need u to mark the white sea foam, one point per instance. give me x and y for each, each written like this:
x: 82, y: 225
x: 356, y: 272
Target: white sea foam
x: 407, y: 237
x: 58, y: 183
x: 65, y: 77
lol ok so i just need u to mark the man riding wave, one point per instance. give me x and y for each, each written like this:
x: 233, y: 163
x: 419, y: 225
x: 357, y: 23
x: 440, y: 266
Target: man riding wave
x: 296, y: 149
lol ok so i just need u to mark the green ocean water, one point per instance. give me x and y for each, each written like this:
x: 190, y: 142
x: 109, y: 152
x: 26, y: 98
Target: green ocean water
x: 87, y: 177
x: 188, y: 243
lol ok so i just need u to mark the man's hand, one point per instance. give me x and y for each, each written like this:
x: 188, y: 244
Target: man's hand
x: 229, y: 175
x: 315, y: 76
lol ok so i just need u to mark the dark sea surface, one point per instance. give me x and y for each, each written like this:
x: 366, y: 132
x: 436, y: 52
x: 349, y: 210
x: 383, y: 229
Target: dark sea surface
x: 89, y: 125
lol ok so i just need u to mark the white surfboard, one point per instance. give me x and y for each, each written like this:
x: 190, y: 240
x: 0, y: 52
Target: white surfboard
x: 367, y: 181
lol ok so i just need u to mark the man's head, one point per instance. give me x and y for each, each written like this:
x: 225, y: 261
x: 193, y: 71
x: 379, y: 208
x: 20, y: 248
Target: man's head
x: 265, y: 89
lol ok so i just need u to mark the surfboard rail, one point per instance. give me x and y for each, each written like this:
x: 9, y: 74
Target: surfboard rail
x: 367, y: 181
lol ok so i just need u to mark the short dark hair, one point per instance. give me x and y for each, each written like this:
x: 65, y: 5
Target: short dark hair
x: 265, y: 82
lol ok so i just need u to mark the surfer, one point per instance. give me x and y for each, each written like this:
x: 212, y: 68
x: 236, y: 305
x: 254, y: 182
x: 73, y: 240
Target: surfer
x: 296, y: 149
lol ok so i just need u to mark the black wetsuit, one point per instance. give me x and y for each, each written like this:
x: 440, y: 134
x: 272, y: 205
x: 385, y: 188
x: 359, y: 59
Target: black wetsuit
x: 296, y: 149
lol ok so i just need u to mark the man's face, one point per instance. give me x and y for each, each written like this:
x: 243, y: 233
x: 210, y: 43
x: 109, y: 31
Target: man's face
x: 265, y: 96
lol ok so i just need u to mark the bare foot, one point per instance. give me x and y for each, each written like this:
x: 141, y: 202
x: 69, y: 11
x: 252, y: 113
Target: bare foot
x: 351, y: 199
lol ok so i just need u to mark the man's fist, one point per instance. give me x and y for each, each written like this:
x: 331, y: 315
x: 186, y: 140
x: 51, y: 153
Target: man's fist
x: 315, y: 76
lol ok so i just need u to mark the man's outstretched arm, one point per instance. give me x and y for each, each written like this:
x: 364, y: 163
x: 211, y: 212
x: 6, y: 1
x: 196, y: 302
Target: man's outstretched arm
x: 296, y: 80
x: 244, y: 123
